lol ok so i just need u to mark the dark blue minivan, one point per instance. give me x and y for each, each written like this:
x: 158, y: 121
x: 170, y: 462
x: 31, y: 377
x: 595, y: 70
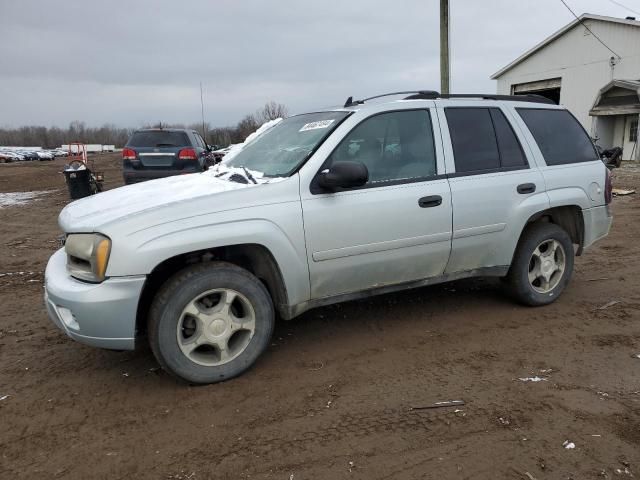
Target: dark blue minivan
x: 162, y: 152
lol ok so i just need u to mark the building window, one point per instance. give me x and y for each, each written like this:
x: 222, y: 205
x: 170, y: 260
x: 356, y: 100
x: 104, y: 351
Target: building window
x: 633, y: 131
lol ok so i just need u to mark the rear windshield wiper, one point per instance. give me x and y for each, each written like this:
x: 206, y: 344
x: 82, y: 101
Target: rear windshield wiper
x: 165, y: 145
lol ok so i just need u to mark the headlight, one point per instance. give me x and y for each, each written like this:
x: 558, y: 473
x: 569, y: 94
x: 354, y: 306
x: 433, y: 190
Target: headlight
x: 87, y: 256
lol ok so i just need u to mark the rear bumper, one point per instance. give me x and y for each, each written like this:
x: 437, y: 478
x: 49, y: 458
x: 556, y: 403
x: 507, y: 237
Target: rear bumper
x: 142, y: 175
x: 597, y: 223
x: 101, y: 315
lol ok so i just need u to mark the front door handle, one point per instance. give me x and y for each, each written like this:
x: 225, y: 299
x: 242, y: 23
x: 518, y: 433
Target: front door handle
x: 526, y: 188
x: 430, y: 201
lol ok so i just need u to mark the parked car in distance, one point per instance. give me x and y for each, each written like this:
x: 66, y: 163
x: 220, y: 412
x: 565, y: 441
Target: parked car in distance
x: 327, y: 207
x: 156, y: 153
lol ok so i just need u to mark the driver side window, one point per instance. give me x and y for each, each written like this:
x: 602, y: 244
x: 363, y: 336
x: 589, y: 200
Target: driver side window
x: 394, y: 146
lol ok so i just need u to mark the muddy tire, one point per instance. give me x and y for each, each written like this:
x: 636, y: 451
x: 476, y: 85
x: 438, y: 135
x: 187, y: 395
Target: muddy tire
x: 542, y: 265
x: 209, y: 323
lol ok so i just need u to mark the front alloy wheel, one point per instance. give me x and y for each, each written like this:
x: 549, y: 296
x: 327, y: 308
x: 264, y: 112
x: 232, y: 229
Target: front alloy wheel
x: 216, y: 327
x: 210, y: 322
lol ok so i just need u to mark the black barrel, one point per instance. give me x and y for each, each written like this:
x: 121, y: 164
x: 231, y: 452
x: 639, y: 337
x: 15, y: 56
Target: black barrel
x: 78, y: 183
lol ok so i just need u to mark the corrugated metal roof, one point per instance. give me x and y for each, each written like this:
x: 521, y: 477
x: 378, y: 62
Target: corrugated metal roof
x: 620, y: 104
x: 559, y: 33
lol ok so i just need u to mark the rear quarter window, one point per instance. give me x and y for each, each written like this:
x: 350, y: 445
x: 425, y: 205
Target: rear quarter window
x: 159, y: 138
x: 560, y: 137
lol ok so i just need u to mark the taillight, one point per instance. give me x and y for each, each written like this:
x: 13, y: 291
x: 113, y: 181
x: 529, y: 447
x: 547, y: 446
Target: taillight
x: 128, y: 154
x: 187, y: 154
x: 608, y: 188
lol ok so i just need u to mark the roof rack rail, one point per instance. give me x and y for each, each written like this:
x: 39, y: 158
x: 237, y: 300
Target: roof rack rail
x: 434, y: 95
x: 351, y: 102
x: 509, y: 98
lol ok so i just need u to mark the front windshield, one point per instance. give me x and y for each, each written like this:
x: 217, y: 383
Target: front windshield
x: 280, y: 150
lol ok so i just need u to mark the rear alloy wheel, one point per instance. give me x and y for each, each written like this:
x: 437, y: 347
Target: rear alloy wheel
x: 546, y: 266
x: 542, y: 265
x: 210, y: 322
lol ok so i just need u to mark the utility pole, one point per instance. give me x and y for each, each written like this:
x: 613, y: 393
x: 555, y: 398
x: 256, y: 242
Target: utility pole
x: 444, y: 46
x: 204, y: 132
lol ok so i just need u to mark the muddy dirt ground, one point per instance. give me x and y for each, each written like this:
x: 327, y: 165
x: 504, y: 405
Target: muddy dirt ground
x: 332, y: 396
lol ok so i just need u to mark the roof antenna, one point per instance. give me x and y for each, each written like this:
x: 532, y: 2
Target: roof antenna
x: 349, y: 102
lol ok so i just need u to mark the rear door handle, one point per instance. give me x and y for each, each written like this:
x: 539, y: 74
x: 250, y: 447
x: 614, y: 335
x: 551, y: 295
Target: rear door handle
x: 527, y: 188
x: 430, y: 201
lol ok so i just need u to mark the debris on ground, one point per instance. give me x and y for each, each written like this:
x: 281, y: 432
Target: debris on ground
x: 532, y: 379
x: 608, y: 304
x: 626, y: 471
x: 621, y: 192
x: 568, y: 445
x: 4, y: 397
x: 447, y: 403
x: 318, y: 366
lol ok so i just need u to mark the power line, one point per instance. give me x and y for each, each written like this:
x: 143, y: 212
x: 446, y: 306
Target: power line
x: 590, y: 31
x: 625, y: 7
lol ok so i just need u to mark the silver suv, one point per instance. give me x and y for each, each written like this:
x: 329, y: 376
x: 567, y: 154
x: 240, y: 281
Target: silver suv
x: 325, y: 207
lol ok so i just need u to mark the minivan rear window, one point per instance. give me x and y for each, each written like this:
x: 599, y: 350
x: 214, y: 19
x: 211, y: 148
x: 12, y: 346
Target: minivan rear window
x: 158, y: 138
x: 560, y: 137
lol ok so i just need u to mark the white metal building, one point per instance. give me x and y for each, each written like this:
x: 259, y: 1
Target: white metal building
x: 600, y: 87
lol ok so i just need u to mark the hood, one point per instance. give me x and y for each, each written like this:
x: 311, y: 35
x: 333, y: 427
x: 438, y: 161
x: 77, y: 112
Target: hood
x: 97, y: 210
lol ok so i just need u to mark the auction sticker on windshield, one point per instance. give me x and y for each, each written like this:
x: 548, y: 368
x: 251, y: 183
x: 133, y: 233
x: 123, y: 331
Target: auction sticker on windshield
x: 316, y: 125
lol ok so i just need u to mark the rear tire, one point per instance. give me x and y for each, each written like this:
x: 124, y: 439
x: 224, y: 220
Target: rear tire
x: 542, y: 265
x: 210, y: 322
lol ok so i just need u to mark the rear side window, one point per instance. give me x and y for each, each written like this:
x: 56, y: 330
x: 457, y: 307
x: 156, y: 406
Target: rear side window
x: 560, y: 137
x: 199, y: 140
x: 159, y: 138
x: 511, y: 154
x: 483, y: 140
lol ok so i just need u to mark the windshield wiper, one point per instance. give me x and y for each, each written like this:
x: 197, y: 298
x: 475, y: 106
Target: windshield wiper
x: 249, y: 176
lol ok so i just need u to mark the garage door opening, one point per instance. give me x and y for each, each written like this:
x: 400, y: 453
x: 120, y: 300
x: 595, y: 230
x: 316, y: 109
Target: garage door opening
x: 546, y: 88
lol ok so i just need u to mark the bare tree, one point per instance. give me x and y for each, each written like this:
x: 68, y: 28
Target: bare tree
x: 110, y: 134
x: 271, y: 111
x: 245, y: 127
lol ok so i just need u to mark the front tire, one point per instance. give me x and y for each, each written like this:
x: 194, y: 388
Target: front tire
x: 210, y: 322
x: 542, y: 265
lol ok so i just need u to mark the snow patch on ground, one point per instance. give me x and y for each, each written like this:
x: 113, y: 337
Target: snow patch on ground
x: 20, y: 198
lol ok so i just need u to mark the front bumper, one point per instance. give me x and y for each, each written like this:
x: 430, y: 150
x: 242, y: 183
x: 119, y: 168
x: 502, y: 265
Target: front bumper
x: 101, y: 315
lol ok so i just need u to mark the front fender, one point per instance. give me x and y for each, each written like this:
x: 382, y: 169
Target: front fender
x: 140, y: 252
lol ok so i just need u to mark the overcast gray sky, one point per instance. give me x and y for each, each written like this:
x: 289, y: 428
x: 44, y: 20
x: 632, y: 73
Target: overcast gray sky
x: 131, y: 62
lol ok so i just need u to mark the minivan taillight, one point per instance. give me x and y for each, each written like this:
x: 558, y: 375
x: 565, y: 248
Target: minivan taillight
x: 128, y: 154
x: 608, y: 188
x: 187, y: 154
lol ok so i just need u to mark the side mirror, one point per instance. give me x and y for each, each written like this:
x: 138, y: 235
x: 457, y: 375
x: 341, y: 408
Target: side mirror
x: 343, y: 175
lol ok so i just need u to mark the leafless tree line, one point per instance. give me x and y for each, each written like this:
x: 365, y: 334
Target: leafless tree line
x: 109, y: 134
